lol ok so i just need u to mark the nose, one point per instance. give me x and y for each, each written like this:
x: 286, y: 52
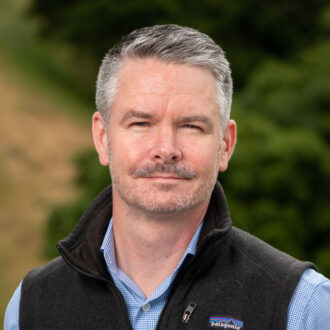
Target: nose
x: 165, y: 146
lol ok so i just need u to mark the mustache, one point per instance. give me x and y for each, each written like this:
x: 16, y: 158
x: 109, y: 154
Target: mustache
x: 179, y: 171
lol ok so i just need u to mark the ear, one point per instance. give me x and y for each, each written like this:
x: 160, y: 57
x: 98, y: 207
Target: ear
x: 100, y: 138
x: 228, y: 142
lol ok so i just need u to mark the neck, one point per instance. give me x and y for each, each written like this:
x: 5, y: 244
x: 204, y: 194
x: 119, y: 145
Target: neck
x: 150, y: 246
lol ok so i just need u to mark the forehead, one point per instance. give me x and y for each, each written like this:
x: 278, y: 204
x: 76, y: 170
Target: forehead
x: 152, y: 78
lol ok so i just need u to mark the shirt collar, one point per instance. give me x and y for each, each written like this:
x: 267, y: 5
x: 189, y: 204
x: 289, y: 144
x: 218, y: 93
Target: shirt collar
x: 108, y: 248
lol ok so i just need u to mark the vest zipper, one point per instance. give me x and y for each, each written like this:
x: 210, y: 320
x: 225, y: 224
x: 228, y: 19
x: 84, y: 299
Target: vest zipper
x: 191, y: 307
x: 187, y: 314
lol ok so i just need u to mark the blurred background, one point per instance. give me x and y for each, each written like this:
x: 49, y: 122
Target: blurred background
x: 278, y: 180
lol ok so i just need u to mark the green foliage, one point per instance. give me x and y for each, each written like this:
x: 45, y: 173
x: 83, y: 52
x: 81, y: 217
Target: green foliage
x: 91, y: 174
x: 294, y: 93
x: 45, y: 64
x: 248, y: 30
x: 92, y: 179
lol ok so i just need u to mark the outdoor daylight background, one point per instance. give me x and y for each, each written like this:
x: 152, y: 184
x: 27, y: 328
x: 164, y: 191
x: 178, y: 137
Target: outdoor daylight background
x: 278, y: 180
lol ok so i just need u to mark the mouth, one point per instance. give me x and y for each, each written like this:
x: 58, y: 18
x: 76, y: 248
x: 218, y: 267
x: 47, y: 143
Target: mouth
x: 164, y: 177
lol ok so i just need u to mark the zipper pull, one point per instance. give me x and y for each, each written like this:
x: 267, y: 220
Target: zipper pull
x: 189, y: 310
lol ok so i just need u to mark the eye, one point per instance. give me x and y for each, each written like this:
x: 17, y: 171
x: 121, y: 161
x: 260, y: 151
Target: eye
x: 191, y: 126
x: 140, y: 124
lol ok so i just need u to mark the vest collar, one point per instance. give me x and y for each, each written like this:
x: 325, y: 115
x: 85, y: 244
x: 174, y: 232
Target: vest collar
x: 81, y: 249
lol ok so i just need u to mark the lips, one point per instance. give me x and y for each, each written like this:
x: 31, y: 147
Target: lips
x: 169, y: 176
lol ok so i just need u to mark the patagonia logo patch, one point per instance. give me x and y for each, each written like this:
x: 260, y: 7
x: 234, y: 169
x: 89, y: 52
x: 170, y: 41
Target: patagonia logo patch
x: 222, y: 322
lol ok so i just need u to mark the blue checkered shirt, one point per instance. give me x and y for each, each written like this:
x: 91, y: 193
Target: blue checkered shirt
x: 143, y: 312
x: 309, y: 307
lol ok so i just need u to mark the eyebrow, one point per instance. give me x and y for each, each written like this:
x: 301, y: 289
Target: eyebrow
x: 203, y: 119
x: 135, y: 114
x: 187, y: 119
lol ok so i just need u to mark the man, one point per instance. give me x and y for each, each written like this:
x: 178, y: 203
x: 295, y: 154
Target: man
x: 157, y: 249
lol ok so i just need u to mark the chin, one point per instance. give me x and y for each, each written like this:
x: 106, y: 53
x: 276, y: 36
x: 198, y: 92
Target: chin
x: 172, y: 205
x: 164, y: 209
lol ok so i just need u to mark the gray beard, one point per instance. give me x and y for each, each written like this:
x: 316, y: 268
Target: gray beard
x: 186, y: 202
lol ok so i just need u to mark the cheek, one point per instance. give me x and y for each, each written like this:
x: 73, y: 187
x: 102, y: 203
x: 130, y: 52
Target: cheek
x: 128, y: 154
x: 204, y: 161
x: 201, y: 150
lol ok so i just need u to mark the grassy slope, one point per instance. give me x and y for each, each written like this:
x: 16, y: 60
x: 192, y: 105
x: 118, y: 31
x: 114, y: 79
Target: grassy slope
x: 40, y: 131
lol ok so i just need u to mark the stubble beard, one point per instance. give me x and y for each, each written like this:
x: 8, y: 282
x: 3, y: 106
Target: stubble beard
x: 180, y: 201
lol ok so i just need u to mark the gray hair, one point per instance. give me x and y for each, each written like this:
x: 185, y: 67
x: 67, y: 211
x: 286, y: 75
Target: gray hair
x: 169, y: 43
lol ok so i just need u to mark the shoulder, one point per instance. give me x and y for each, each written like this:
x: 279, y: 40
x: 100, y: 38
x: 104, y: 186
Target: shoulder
x: 267, y: 259
x: 36, y: 277
x: 269, y: 271
x: 42, y: 287
x: 11, y: 321
x: 309, y: 307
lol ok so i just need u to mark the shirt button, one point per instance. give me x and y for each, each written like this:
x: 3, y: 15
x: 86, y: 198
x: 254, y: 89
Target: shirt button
x: 146, y: 307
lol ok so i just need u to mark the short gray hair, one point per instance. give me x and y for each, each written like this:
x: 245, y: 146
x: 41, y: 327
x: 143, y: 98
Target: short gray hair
x: 168, y: 43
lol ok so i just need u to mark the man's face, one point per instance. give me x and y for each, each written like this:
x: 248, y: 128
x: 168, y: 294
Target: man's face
x: 163, y: 142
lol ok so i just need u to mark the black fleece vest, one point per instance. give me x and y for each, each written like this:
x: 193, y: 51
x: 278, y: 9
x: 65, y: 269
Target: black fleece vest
x: 233, y: 276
